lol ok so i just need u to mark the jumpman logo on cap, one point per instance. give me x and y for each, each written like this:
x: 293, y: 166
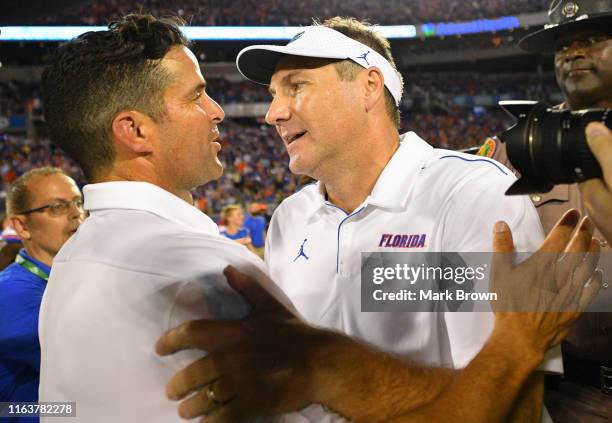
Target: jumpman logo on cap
x: 302, y: 253
x: 364, y: 56
x: 296, y: 37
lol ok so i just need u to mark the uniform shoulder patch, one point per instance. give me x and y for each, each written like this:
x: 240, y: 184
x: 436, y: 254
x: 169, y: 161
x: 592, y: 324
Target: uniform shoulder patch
x: 488, y: 149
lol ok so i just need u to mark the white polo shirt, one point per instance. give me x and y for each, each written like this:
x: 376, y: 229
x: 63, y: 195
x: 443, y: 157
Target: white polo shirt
x: 143, y: 262
x: 442, y: 201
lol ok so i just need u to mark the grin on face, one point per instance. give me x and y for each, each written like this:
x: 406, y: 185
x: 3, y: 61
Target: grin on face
x: 583, y: 67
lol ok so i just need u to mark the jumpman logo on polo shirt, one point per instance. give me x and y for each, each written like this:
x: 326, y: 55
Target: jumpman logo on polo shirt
x: 302, y: 253
x: 364, y: 57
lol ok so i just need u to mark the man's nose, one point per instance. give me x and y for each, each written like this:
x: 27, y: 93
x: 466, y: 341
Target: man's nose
x: 278, y: 112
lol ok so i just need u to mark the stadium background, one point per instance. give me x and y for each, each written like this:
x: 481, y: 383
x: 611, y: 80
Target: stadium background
x: 455, y: 75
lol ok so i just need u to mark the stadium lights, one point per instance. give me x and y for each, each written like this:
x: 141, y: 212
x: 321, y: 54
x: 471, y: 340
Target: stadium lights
x: 197, y: 33
x: 248, y: 33
x: 472, y: 27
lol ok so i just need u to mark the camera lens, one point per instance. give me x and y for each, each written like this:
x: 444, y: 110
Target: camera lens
x: 548, y: 147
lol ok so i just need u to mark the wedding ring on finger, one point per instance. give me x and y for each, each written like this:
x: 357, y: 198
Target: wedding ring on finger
x: 210, y: 394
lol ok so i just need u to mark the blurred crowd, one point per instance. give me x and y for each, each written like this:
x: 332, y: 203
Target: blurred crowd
x: 254, y: 156
x: 527, y: 85
x: 227, y: 92
x: 295, y: 12
x: 18, y: 97
x: 425, y: 91
x: 456, y: 129
x: 19, y: 154
x: 422, y: 89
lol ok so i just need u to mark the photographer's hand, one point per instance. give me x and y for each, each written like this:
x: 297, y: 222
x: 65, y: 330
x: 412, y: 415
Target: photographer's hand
x: 597, y: 193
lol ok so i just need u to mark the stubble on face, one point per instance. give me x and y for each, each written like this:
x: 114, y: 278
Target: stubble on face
x: 584, y: 73
x: 314, y: 101
x: 188, y: 146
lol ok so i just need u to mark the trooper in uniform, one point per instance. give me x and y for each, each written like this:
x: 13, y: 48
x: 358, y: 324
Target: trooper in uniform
x: 579, y: 36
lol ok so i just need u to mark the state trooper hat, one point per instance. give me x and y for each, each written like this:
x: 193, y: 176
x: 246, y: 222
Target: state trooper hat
x: 565, y: 17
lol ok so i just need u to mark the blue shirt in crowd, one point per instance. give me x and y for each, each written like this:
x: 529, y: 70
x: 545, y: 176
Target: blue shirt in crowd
x: 242, y: 233
x: 257, y: 227
x: 20, y: 295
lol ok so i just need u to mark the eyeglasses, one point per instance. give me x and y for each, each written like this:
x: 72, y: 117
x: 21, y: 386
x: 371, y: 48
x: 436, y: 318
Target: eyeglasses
x: 58, y: 207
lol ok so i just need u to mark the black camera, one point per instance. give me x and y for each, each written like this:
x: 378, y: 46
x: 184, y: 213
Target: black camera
x: 548, y: 147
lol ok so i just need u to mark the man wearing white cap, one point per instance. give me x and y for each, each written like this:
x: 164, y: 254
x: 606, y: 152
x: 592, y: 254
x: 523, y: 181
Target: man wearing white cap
x: 335, y: 103
x: 339, y: 121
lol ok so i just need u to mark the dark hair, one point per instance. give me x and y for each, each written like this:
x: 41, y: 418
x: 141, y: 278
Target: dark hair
x: 99, y: 74
x: 365, y: 34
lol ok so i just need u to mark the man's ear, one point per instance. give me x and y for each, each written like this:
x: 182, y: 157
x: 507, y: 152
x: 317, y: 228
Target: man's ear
x: 374, y: 87
x: 134, y: 131
x: 19, y: 223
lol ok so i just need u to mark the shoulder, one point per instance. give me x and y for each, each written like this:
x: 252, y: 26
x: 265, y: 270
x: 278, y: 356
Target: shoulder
x: 463, y: 181
x: 16, y: 277
x: 17, y: 285
x: 143, y: 242
x: 466, y: 166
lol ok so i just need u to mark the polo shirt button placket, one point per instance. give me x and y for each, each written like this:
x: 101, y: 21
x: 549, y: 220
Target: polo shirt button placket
x: 344, y: 268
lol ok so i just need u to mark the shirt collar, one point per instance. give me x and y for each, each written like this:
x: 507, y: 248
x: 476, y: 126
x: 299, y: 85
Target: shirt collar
x: 319, y: 201
x: 23, y: 253
x: 128, y: 195
x: 396, y: 181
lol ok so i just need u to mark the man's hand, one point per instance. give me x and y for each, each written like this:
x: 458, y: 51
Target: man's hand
x: 499, y: 385
x: 597, y: 193
x: 273, y: 363
x: 255, y: 367
x: 551, y: 288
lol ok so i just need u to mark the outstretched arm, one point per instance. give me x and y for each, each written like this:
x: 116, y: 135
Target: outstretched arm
x: 274, y: 363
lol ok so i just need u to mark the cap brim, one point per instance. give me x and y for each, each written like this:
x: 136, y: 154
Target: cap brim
x: 259, y: 62
x: 543, y: 41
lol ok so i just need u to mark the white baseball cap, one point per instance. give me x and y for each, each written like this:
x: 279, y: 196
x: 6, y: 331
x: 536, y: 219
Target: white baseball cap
x: 258, y: 62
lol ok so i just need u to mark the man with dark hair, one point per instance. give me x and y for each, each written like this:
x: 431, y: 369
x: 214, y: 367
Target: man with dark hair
x: 129, y: 105
x: 579, y: 35
x: 118, y: 69
x: 45, y: 208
